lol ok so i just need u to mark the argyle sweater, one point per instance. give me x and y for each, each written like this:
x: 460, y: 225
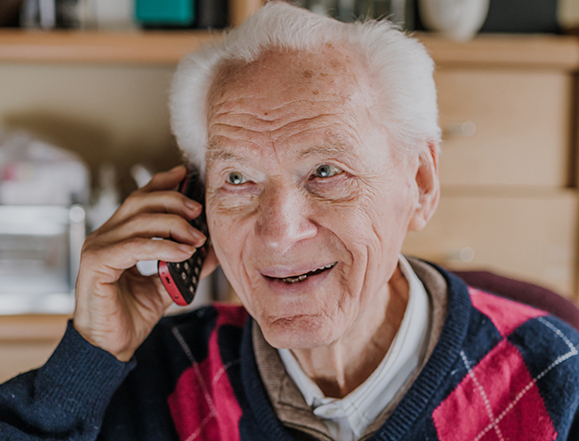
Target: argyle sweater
x: 500, y: 371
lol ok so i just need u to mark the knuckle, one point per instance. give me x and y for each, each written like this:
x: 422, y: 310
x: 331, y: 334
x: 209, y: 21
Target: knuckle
x: 155, y: 180
x: 89, y: 256
x: 125, y: 247
x: 180, y: 224
x: 134, y: 244
x: 133, y: 199
x: 86, y: 247
x: 174, y: 218
x: 89, y: 243
x: 177, y: 204
x: 141, y: 218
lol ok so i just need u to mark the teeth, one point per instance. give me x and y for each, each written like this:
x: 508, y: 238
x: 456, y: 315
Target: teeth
x: 303, y: 277
x: 295, y: 279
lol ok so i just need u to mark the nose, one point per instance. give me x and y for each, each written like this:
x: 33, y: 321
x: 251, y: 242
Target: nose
x: 284, y: 219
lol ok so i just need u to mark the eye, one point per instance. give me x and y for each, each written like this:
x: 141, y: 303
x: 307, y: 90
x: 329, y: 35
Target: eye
x: 236, y: 178
x: 327, y: 171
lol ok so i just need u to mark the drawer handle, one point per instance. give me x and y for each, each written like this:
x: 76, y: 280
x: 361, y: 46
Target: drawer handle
x: 464, y: 255
x: 455, y: 130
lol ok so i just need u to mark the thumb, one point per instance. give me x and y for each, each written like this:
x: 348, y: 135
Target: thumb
x: 165, y: 297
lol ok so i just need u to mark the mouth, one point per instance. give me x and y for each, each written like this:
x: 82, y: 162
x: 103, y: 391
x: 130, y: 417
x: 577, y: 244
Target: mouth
x: 302, y: 277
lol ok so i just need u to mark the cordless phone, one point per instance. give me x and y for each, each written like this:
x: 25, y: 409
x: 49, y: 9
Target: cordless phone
x: 181, y: 278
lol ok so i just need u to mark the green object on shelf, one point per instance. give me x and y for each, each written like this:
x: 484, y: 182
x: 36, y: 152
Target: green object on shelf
x: 165, y: 12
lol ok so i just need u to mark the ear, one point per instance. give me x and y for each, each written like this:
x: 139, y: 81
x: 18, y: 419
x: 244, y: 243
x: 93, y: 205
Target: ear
x: 428, y: 187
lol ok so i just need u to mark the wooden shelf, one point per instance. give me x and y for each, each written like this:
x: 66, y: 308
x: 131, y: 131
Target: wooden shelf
x: 151, y: 47
x: 506, y: 50
x: 158, y: 47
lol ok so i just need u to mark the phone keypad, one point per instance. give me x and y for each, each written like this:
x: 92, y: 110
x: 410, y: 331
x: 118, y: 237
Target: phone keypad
x: 186, y: 274
x: 190, y: 270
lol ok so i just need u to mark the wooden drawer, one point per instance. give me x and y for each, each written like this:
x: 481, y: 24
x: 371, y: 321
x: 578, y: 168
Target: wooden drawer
x: 521, y: 121
x: 529, y: 238
x: 26, y: 341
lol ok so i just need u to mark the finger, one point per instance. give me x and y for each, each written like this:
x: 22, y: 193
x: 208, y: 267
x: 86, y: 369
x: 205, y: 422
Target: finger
x: 155, y: 281
x: 165, y: 296
x: 156, y: 202
x: 165, y: 180
x: 110, y: 261
x: 147, y: 225
x: 162, y: 292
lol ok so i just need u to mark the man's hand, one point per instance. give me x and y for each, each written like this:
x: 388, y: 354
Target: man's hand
x: 116, y: 306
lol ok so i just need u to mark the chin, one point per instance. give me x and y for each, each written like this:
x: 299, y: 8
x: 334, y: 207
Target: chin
x: 302, y: 332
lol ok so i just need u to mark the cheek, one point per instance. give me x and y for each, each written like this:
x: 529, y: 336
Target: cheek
x: 392, y: 204
x: 375, y: 229
x: 227, y: 214
x: 228, y: 236
x: 230, y: 232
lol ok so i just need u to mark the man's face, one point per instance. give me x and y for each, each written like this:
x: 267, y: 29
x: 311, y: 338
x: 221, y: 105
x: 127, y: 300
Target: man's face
x: 307, y: 203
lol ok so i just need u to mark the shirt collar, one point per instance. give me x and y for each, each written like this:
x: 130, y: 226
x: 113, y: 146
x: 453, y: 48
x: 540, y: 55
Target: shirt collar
x: 360, y: 407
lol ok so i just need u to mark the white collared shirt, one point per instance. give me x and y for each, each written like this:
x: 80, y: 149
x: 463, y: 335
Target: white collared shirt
x: 348, y: 418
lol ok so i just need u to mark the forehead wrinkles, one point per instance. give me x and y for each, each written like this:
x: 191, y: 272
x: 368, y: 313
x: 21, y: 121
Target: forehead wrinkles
x: 246, y: 114
x: 244, y: 131
x: 282, y: 94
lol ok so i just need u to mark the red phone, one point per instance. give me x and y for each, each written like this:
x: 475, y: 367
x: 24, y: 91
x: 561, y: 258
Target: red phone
x: 181, y: 278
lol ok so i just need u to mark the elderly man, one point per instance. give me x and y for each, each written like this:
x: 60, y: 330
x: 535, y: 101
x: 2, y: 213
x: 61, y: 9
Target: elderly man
x: 320, y: 145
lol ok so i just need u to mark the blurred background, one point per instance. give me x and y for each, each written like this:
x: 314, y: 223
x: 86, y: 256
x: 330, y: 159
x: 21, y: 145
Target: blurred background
x: 84, y: 121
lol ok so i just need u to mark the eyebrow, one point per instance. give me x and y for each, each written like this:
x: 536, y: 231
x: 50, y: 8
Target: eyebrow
x: 216, y: 152
x: 327, y: 148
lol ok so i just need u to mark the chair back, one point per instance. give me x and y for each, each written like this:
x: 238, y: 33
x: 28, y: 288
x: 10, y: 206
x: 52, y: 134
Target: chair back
x: 523, y: 292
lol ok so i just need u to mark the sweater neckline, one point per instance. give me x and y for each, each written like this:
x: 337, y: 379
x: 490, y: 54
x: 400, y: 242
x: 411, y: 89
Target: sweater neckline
x: 416, y: 399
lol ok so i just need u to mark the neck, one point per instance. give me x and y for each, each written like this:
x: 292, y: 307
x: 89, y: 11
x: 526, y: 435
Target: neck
x: 341, y: 367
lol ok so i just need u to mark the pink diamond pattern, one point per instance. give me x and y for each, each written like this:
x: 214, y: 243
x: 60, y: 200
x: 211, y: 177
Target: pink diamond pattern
x: 497, y: 400
x: 505, y: 314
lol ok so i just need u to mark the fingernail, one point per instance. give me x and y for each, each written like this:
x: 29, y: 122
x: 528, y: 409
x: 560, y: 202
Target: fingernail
x: 192, y: 205
x: 197, y: 234
x: 189, y: 249
x: 175, y: 169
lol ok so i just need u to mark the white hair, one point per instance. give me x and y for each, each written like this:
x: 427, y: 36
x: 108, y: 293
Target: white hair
x: 400, y: 63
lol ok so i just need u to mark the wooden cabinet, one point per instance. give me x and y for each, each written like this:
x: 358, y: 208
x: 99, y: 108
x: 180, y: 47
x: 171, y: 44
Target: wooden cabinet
x: 527, y: 236
x: 504, y: 127
x: 507, y: 199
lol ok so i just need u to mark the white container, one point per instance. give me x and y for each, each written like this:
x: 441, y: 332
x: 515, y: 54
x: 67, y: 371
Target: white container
x: 456, y: 19
x: 40, y: 250
x: 109, y: 15
x: 568, y: 13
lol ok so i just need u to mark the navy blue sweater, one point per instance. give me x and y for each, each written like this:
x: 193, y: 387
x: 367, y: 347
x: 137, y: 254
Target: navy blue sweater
x: 500, y: 371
